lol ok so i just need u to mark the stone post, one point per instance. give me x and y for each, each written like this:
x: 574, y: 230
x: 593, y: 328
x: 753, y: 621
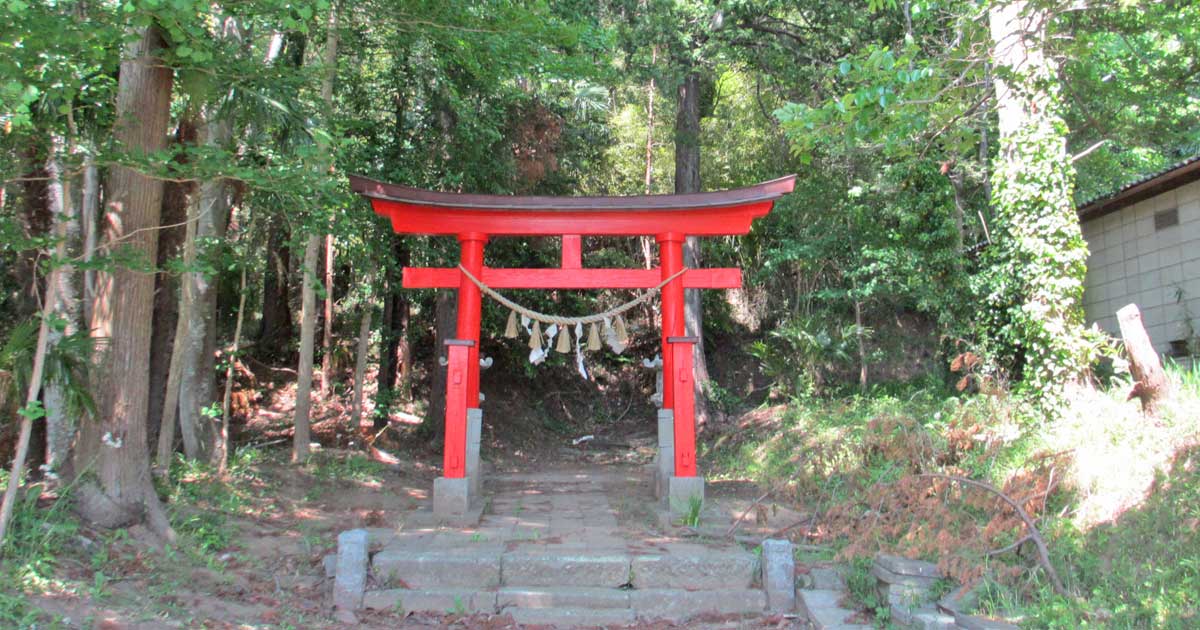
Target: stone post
x: 779, y: 575
x: 350, y: 577
x: 474, y: 435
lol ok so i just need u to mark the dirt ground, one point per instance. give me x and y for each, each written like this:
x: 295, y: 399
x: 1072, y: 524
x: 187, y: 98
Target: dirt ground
x: 278, y: 521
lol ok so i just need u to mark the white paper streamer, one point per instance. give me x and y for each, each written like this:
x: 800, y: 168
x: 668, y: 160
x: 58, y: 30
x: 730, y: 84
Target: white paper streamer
x: 579, y: 352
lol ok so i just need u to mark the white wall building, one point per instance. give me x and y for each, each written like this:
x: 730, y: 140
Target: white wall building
x: 1144, y: 244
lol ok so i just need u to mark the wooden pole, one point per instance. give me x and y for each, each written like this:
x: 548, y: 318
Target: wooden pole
x: 1150, y: 382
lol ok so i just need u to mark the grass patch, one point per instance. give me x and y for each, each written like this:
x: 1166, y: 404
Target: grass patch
x: 1116, y: 494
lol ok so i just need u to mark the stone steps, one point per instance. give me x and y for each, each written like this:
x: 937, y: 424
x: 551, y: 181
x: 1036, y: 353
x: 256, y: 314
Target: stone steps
x: 572, y: 606
x: 823, y: 610
x: 491, y: 566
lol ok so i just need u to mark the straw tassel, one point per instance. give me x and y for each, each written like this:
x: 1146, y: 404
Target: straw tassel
x: 564, y: 341
x: 510, y: 331
x: 535, y: 339
x: 593, y: 343
x: 619, y: 328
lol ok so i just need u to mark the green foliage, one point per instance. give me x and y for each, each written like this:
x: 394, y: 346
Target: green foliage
x: 862, y: 586
x: 1034, y: 285
x: 330, y: 467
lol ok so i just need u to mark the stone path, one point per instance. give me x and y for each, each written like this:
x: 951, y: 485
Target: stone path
x: 564, y: 548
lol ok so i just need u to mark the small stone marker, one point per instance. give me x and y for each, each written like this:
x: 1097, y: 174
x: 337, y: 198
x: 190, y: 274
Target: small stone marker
x: 778, y: 575
x: 351, y: 578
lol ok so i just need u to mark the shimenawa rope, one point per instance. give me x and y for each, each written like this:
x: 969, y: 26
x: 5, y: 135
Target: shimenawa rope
x: 563, y: 322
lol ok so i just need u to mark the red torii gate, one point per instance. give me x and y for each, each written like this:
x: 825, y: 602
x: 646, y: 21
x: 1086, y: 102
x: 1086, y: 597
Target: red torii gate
x: 473, y: 219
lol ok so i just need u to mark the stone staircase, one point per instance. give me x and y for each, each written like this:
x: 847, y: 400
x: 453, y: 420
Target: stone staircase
x: 565, y: 585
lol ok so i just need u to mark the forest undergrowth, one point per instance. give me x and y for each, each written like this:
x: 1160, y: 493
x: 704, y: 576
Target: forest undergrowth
x: 1116, y: 494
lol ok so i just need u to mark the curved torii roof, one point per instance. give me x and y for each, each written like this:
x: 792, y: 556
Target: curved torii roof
x: 417, y: 211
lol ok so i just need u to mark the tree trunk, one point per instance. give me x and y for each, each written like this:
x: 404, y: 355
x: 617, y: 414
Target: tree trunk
x: 1150, y: 383
x: 167, y: 286
x: 360, y: 367
x: 115, y: 443
x: 17, y: 472
x: 223, y: 443
x: 1039, y: 255
x: 308, y: 318
x: 647, y: 242
x: 197, y: 385
x: 327, y: 338
x: 170, y: 409
x: 60, y: 426
x: 687, y: 180
x: 91, y: 210
x: 304, y: 371
x: 446, y: 314
x: 276, y: 330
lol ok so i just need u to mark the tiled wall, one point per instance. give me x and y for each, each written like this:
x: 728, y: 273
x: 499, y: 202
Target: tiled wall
x: 1131, y: 262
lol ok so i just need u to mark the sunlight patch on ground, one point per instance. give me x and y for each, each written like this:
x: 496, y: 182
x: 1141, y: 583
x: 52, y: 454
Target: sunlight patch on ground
x: 1116, y: 450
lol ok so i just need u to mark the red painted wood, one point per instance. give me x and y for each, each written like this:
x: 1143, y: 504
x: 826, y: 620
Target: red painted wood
x: 684, y: 408
x: 469, y: 307
x: 455, y: 453
x: 410, y: 218
x: 670, y: 256
x: 448, y: 278
x: 572, y: 251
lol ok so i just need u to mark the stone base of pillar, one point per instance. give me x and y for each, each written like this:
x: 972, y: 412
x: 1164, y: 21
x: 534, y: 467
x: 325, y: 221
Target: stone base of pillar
x: 453, y: 502
x: 474, y: 435
x: 682, y: 492
x: 664, y: 457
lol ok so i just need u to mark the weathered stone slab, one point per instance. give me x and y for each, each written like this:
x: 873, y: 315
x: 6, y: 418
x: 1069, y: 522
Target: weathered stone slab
x: 679, y: 605
x: 351, y: 573
x: 435, y: 600
x: 824, y: 611
x: 572, y: 617
x: 695, y: 570
x: 329, y: 564
x: 564, y: 567
x: 779, y: 575
x: 898, y: 565
x: 930, y: 618
x: 451, y: 497
x: 561, y: 597
x: 826, y: 578
x: 414, y: 568
x: 681, y: 491
x: 474, y: 437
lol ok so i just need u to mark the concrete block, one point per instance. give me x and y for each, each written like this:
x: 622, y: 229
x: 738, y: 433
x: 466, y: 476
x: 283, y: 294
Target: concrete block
x: 700, y: 570
x: 664, y: 459
x: 350, y: 578
x: 900, y: 566
x: 664, y: 468
x: 666, y: 428
x: 564, y: 568
x: 572, y: 617
x: 562, y: 597
x: 329, y: 564
x: 679, y: 605
x: 474, y: 437
x: 431, y: 600
x: 826, y: 578
x: 478, y: 566
x: 451, y: 496
x: 823, y: 610
x: 779, y: 575
x: 680, y: 493
x: 931, y: 619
